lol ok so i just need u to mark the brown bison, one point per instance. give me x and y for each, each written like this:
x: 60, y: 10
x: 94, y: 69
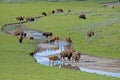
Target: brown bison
x: 66, y: 53
x: 68, y: 39
x: 82, y: 16
x: 53, y: 58
x: 76, y: 56
x: 30, y: 19
x: 54, y: 38
x: 31, y: 38
x: 20, y: 18
x: 44, y: 13
x: 59, y: 10
x: 90, y: 33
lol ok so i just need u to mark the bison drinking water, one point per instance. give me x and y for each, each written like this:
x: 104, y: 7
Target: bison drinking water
x: 53, y: 58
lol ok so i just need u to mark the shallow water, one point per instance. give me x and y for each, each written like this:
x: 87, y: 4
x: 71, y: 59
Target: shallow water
x: 42, y: 57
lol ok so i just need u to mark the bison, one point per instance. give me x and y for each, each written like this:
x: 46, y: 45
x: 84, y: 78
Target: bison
x: 53, y: 58
x: 47, y: 34
x: 54, y: 38
x: 90, y: 33
x: 59, y: 10
x: 20, y: 38
x: 66, y: 53
x: 20, y: 18
x: 30, y: 19
x: 82, y: 16
x: 76, y: 56
x: 68, y: 39
x: 44, y: 14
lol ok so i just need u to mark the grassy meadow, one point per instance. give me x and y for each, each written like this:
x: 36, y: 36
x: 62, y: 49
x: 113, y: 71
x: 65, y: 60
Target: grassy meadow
x: 17, y: 64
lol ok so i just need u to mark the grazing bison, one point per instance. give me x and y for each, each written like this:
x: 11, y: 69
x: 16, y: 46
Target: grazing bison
x: 66, y: 53
x: 68, y: 39
x: 20, y: 18
x: 90, y: 33
x: 44, y: 14
x: 30, y: 19
x: 59, y: 10
x: 53, y: 58
x: 53, y: 11
x: 82, y: 16
x: 76, y: 56
x: 47, y: 34
x: 20, y: 38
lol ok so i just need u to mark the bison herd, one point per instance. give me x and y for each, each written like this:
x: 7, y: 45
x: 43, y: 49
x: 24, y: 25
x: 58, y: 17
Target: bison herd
x: 69, y: 52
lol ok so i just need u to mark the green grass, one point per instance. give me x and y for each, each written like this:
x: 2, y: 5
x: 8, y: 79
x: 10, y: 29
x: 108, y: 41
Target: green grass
x: 15, y: 62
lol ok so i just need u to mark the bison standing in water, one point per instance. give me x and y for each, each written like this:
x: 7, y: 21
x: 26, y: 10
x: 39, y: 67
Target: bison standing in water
x: 54, y: 38
x: 53, y: 58
x: 20, y: 18
x: 66, y: 53
x: 82, y: 16
x: 76, y: 56
x: 90, y: 33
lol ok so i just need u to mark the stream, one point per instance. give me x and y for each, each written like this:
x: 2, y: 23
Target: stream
x: 41, y: 57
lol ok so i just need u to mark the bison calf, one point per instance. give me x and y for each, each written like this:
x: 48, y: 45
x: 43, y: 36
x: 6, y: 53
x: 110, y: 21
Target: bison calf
x: 53, y: 58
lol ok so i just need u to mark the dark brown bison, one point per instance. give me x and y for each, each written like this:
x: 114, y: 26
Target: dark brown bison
x: 20, y: 18
x: 68, y: 39
x: 66, y: 53
x: 82, y: 16
x: 90, y: 33
x: 30, y: 19
x: 53, y: 11
x: 76, y: 56
x: 31, y: 38
x: 59, y: 10
x: 47, y: 34
x: 53, y: 58
x: 44, y: 13
x: 20, y: 38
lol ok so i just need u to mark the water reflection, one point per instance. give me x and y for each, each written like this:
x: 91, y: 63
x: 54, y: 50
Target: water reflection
x: 42, y: 57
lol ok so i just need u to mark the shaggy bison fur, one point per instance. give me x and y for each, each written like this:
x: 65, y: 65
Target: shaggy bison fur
x: 66, y: 53
x: 76, y: 56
